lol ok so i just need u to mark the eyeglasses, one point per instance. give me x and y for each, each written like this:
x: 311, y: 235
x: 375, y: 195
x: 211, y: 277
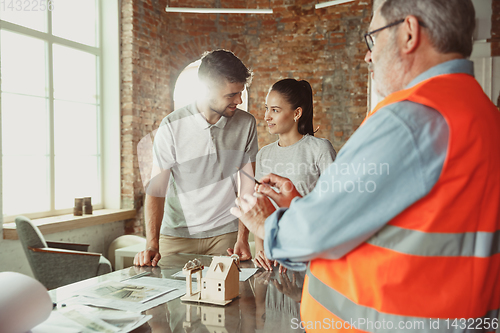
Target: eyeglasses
x: 370, y: 42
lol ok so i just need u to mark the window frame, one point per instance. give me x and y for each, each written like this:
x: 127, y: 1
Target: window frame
x: 107, y: 52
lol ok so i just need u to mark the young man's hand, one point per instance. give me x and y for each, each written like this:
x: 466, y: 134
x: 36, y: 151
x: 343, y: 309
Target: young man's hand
x: 242, y: 249
x: 148, y: 257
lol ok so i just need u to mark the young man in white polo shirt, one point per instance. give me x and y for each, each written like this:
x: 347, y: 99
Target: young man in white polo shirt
x: 195, y: 155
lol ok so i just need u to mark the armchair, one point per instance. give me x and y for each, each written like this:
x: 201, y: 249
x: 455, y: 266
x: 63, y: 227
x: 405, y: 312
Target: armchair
x: 55, y: 264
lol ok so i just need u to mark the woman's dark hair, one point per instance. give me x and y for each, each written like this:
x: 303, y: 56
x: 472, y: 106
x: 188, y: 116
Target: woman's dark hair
x: 298, y: 94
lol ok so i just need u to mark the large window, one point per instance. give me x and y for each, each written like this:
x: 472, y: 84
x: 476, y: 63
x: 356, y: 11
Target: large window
x: 50, y: 105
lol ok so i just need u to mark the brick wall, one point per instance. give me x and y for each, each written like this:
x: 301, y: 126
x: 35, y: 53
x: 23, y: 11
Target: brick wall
x: 322, y: 46
x: 495, y: 38
x: 146, y: 90
x: 495, y: 28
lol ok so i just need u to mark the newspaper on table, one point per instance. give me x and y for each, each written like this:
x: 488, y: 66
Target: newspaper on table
x: 127, y: 292
x: 85, y: 319
x: 167, y: 290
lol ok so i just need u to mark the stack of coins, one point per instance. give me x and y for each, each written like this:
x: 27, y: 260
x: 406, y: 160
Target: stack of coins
x: 78, y: 209
x: 87, y: 205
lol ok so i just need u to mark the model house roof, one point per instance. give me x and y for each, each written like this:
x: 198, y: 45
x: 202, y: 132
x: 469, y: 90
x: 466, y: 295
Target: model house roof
x: 220, y: 267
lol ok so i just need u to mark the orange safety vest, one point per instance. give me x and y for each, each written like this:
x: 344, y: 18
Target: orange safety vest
x: 439, y: 259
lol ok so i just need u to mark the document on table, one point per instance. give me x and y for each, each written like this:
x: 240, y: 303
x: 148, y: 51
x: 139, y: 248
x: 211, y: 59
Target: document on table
x: 245, y: 273
x: 129, y: 291
x: 84, y: 319
x: 176, y: 288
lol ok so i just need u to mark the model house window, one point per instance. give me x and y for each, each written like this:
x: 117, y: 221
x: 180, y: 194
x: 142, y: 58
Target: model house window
x: 50, y: 106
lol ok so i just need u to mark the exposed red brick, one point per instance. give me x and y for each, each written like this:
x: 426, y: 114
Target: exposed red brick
x: 322, y: 46
x: 495, y: 28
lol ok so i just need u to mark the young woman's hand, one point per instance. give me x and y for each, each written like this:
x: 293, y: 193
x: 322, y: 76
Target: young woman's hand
x: 262, y: 261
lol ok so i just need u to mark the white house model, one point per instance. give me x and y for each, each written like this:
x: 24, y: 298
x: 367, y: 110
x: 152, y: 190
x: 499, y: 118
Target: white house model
x: 220, y: 284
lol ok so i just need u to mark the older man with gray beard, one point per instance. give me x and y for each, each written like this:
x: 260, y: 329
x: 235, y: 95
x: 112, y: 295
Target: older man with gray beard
x: 417, y: 249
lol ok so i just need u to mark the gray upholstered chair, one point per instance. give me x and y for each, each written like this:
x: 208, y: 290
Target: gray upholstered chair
x: 56, y: 264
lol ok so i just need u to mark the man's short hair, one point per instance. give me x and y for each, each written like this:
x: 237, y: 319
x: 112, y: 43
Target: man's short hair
x: 222, y: 64
x: 449, y: 23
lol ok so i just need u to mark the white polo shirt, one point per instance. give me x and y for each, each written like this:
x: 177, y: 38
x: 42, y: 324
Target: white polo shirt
x: 202, y: 159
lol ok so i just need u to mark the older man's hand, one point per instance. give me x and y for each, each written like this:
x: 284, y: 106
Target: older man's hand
x: 253, y: 211
x: 287, y: 190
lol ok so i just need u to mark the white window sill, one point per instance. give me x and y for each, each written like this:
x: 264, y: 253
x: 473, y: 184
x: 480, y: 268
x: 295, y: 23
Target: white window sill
x: 50, y: 225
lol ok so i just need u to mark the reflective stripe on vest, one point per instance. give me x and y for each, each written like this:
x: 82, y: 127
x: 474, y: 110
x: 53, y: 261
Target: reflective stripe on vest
x: 414, y: 242
x: 364, y: 318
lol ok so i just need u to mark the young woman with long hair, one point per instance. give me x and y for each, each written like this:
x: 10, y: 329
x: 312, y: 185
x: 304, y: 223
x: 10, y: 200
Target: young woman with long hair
x: 297, y: 154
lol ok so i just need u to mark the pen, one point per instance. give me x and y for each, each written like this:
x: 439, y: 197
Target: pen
x: 246, y: 174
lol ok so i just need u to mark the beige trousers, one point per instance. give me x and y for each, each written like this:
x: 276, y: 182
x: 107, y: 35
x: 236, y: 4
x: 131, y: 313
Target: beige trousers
x: 215, y: 246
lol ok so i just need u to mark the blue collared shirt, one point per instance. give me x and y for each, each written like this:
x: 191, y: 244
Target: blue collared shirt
x: 389, y: 163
